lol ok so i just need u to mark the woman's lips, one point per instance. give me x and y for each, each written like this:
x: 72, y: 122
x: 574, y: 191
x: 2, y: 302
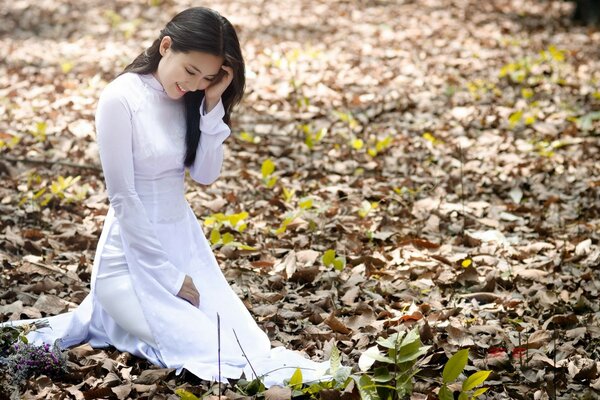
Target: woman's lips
x: 179, y: 88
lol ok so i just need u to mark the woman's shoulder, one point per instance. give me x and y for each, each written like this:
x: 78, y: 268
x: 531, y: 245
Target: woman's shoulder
x: 127, y: 88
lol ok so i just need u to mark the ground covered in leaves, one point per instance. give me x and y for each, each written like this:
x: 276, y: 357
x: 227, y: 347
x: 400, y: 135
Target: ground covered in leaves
x: 447, y: 151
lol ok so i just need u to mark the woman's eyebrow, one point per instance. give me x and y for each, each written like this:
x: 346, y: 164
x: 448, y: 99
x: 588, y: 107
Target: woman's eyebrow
x: 201, y: 71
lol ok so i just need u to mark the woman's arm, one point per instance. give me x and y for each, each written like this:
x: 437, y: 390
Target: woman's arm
x: 114, y: 134
x: 209, y: 154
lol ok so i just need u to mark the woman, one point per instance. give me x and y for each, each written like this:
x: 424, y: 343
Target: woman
x: 157, y: 291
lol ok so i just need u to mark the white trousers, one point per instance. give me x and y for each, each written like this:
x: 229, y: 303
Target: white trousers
x: 117, y: 297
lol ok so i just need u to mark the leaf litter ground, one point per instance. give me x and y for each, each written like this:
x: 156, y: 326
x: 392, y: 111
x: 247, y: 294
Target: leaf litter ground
x: 446, y: 150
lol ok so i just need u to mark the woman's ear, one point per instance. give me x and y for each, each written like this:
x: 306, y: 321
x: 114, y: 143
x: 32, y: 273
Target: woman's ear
x: 165, y: 44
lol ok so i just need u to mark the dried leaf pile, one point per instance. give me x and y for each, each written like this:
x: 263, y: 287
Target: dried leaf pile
x: 447, y: 151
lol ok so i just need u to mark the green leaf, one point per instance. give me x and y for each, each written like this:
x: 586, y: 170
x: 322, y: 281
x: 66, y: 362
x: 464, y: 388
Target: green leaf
x: 455, y: 366
x: 369, y: 356
x: 334, y: 360
x: 185, y: 395
x: 445, y: 393
x: 463, y: 396
x: 479, y: 392
x: 255, y: 386
x: 366, y: 388
x: 328, y: 258
x: 412, y: 356
x: 342, y: 375
x: 392, y: 341
x: 339, y: 263
x: 475, y: 380
x: 382, y: 374
x: 296, y: 379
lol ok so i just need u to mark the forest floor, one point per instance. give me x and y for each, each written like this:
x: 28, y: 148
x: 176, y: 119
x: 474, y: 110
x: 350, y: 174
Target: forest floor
x: 447, y: 151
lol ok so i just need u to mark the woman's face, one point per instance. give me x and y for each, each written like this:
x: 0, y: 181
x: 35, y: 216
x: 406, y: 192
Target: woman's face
x: 179, y: 72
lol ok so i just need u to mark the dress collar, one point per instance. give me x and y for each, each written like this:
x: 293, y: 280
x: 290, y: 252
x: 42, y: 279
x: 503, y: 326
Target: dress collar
x: 151, y: 81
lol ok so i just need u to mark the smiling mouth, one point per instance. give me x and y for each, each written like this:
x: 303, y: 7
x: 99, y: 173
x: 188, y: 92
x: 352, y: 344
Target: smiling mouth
x: 179, y: 88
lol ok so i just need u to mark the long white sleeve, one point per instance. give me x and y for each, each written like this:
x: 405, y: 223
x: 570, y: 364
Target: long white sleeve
x: 115, y: 142
x: 209, y: 155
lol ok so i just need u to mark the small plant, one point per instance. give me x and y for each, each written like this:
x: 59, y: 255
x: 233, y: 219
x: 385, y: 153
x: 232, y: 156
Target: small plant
x: 453, y: 368
x: 40, y: 131
x: 267, y: 169
x: 27, y: 361
x: 62, y: 190
x: 290, y: 217
x: 311, y: 138
x: 288, y: 194
x: 9, y: 141
x: 393, y: 376
x: 366, y: 207
x: 432, y: 139
x: 330, y: 260
x: 379, y: 145
x: 249, y: 137
x: 348, y: 118
x: 232, y: 221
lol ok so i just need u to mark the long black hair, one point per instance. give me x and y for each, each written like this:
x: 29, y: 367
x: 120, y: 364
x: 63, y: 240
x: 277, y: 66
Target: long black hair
x: 205, y: 30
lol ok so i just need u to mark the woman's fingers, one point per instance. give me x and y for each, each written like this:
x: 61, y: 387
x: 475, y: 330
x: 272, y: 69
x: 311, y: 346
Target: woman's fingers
x: 189, y: 292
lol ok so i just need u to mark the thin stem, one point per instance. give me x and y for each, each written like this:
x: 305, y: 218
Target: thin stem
x: 244, y: 353
x: 462, y: 189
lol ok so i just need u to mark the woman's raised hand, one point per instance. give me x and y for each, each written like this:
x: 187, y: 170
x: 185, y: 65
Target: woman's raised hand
x: 213, y: 93
x: 189, y: 292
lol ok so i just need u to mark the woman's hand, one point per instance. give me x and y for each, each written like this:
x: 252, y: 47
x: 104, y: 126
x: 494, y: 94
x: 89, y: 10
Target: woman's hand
x: 213, y: 93
x: 189, y: 292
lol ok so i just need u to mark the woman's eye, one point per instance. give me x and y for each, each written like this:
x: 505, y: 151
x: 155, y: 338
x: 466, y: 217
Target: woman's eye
x: 189, y: 72
x: 210, y: 79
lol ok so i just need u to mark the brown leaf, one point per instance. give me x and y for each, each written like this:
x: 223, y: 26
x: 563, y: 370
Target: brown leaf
x: 151, y: 376
x: 122, y: 391
x: 278, y: 393
x: 336, y: 325
x: 50, y: 304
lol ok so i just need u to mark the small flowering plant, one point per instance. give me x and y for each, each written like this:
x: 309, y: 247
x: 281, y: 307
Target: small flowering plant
x: 29, y: 360
x: 20, y: 360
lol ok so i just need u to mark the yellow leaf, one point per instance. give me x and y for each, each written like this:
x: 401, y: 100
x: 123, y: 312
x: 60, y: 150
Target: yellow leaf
x: 530, y: 120
x: 248, y: 137
x: 515, y: 118
x: 558, y: 55
x: 430, y: 138
x: 215, y: 236
x: 66, y: 67
x: 372, y: 152
x: 357, y: 144
x: 227, y: 238
x: 267, y: 168
x: 305, y: 203
x: 271, y: 182
x: 526, y: 93
x: 467, y: 263
x: 185, y: 395
x: 288, y: 194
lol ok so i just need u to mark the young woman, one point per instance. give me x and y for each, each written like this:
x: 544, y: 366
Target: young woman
x: 157, y: 291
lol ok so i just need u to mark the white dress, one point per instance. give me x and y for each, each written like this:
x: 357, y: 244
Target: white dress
x: 150, y: 226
